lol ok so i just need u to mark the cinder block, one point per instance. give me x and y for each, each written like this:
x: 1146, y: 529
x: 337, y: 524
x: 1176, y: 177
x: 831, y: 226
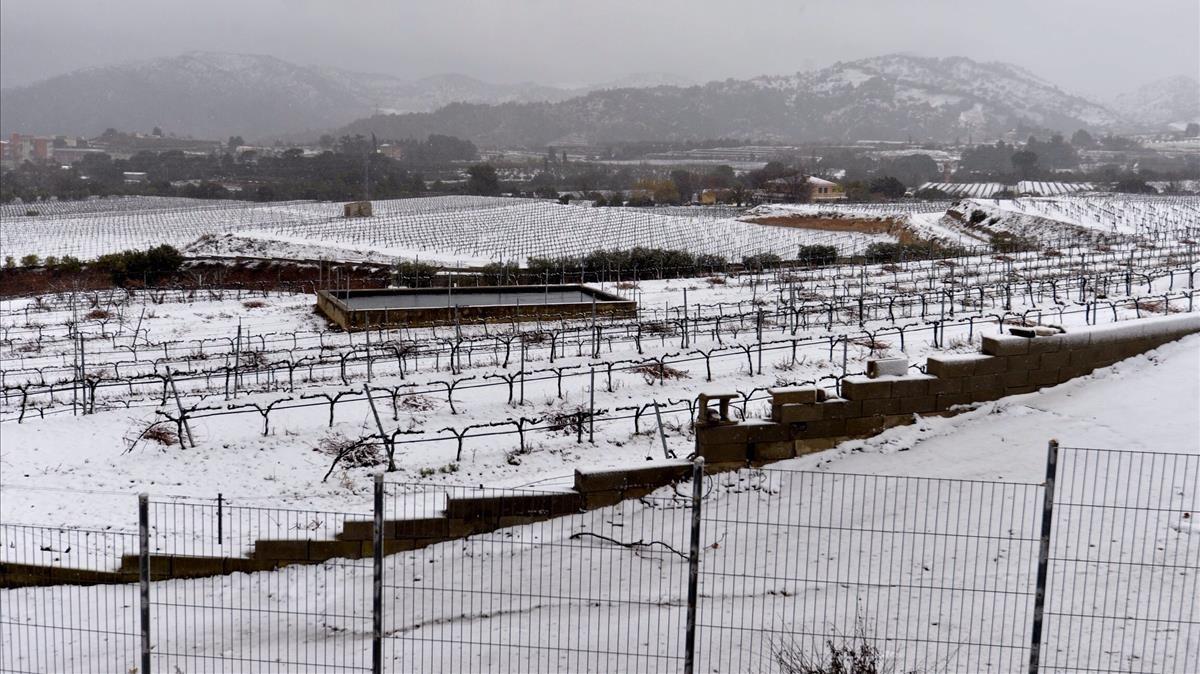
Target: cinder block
x: 602, y: 499
x: 723, y: 434
x: 863, y: 426
x: 1044, y: 377
x: 840, y: 408
x: 791, y: 413
x: 990, y: 365
x: 918, y: 405
x: 358, y: 530
x: 724, y: 453
x: 520, y: 504
x: 862, y: 388
x: 1054, y: 361
x: 810, y: 445
x: 1048, y: 344
x: 1015, y: 378
x: 1005, y: 345
x: 1026, y: 362
x: 887, y: 367
x: 911, y: 386
x: 1020, y: 390
x: 281, y: 550
x: 197, y: 567
x: 245, y: 565
x: 938, y: 386
x: 946, y: 401
x: 880, y: 406
x: 824, y: 428
x: 428, y: 527
x: 796, y: 394
x: 772, y: 451
x: 982, y: 382
x: 657, y: 474
x: 460, y: 527
x: 319, y: 551
x: 954, y: 365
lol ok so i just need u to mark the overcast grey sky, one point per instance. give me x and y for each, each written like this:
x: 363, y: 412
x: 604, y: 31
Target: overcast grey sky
x: 1095, y: 47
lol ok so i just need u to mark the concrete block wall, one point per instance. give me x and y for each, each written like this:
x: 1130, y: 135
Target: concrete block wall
x: 805, y: 420
x: 466, y: 514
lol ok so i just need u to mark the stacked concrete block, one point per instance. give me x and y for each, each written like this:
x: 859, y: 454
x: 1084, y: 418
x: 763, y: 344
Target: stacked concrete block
x: 607, y: 487
x: 806, y: 419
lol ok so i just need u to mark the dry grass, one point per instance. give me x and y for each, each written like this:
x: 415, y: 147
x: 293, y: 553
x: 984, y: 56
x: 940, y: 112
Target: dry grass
x: 98, y: 314
x: 354, y: 452
x: 161, y: 434
x: 254, y: 304
x: 418, y: 403
x: 896, y: 228
x: 653, y: 372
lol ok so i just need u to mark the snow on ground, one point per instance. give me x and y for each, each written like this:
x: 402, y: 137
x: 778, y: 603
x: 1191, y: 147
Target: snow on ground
x: 534, y: 597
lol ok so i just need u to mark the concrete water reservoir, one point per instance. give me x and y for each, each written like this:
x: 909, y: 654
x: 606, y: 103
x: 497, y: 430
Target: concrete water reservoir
x: 396, y: 307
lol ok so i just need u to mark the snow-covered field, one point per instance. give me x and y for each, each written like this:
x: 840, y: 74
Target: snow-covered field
x: 270, y: 388
x: 533, y: 597
x: 452, y: 229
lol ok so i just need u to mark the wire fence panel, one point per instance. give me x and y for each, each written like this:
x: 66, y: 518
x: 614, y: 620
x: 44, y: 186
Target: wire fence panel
x: 601, y: 591
x: 301, y: 617
x: 795, y: 569
x: 929, y: 574
x: 67, y: 628
x: 1124, y: 585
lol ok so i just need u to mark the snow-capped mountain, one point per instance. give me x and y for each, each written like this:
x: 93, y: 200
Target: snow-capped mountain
x: 1165, y: 102
x: 888, y: 98
x: 214, y: 95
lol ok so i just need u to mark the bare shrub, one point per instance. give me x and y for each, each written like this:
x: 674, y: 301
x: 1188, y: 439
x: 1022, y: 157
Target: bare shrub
x: 716, y: 280
x: 254, y: 304
x: 847, y: 657
x: 418, y: 403
x: 653, y: 372
x: 254, y: 359
x: 871, y: 343
x: 354, y: 452
x: 98, y: 315
x: 161, y: 434
x: 628, y: 285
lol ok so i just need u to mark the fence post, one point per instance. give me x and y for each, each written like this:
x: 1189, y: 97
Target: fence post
x: 144, y: 577
x: 689, y: 657
x: 1039, y: 596
x: 377, y: 589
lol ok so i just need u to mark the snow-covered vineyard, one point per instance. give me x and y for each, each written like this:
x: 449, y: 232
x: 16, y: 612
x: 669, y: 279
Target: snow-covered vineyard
x: 476, y: 230
x: 449, y: 229
x: 923, y: 539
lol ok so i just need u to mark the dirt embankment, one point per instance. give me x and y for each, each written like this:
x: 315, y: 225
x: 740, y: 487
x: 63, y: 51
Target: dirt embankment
x: 890, y: 226
x: 249, y: 274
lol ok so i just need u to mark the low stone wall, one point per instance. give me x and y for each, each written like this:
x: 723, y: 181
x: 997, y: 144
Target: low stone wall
x: 805, y: 420
x: 465, y: 515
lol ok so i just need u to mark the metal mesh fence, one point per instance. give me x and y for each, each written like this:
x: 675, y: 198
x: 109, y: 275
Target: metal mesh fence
x: 67, y: 628
x: 1124, y: 584
x: 247, y: 617
x: 1098, y: 567
x: 930, y: 574
x: 602, y: 590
